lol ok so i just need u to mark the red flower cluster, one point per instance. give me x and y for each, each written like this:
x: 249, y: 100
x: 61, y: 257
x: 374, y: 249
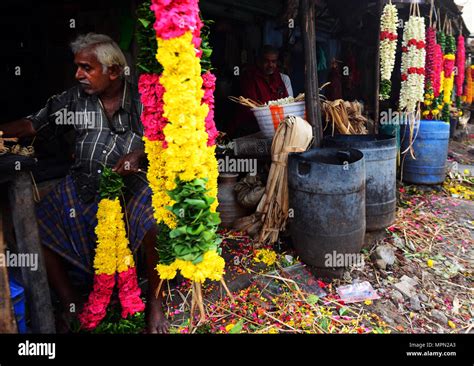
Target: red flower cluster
x: 418, y: 44
x: 181, y: 16
x: 388, y: 35
x: 448, y: 67
x: 95, y: 309
x: 416, y: 70
x: 437, y: 67
x: 460, y: 61
x: 430, y: 55
x: 129, y: 292
x: 209, y: 85
x: 151, y: 96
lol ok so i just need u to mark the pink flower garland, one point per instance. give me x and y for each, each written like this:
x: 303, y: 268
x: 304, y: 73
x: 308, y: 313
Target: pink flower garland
x: 448, y: 66
x: 129, y: 292
x: 460, y: 62
x: 151, y: 96
x: 96, y: 308
x: 209, y: 85
x: 430, y: 55
x: 181, y: 17
x: 437, y: 68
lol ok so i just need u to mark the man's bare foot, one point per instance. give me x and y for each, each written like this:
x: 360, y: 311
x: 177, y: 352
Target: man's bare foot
x: 155, y: 318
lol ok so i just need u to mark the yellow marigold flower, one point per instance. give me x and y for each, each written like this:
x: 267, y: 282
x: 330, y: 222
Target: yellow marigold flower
x: 430, y: 263
x: 266, y: 256
x: 166, y: 272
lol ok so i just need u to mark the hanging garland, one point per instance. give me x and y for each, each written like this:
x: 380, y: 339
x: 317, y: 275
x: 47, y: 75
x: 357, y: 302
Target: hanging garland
x: 431, y: 74
x: 448, y: 83
x: 413, y: 64
x: 468, y: 91
x: 180, y: 145
x: 112, y: 255
x: 460, y: 62
x: 388, y: 46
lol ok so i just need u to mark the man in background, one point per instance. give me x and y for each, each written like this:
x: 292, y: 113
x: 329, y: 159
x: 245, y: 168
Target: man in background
x: 262, y: 82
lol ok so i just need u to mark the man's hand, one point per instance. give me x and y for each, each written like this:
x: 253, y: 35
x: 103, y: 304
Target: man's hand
x: 130, y: 163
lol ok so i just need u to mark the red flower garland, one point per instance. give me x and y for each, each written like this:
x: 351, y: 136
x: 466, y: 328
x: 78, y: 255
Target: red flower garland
x: 96, y: 308
x: 151, y: 96
x: 209, y: 85
x: 430, y: 55
x: 129, y: 292
x: 460, y: 62
x: 437, y: 68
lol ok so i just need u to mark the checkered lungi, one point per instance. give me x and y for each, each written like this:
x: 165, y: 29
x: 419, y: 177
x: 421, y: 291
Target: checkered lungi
x: 66, y: 225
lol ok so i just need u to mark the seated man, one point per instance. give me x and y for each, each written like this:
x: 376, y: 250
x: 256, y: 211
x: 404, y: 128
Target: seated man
x: 108, y: 132
x: 262, y: 83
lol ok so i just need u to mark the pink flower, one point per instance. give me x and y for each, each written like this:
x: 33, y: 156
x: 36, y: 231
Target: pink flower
x: 437, y: 67
x: 129, y: 292
x: 209, y: 85
x: 460, y: 61
x: 95, y: 308
x: 151, y: 96
x: 174, y: 18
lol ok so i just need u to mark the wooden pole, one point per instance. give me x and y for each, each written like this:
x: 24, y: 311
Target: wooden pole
x: 7, y: 319
x: 377, y: 72
x: 28, y: 242
x: 311, y: 87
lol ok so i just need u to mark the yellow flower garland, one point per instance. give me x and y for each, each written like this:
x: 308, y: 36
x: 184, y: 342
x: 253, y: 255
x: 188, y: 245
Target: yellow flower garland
x: 211, y: 267
x: 111, y: 238
x: 187, y: 155
x: 156, y: 176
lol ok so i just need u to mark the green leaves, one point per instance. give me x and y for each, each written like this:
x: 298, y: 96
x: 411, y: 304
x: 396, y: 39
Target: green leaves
x: 110, y: 184
x: 237, y: 328
x: 147, y: 44
x: 195, y: 232
x: 146, y: 39
x: 312, y: 299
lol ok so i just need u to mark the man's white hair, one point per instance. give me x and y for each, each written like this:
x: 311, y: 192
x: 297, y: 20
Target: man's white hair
x: 107, y: 51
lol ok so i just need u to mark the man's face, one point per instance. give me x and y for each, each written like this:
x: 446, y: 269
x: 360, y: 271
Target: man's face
x: 90, y: 73
x: 269, y: 63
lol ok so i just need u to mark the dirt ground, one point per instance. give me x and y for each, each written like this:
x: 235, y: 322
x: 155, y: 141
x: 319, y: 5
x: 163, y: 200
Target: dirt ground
x: 422, y: 276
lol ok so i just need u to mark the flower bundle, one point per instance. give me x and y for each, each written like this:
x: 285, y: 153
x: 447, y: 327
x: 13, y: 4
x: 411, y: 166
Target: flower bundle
x: 388, y: 46
x: 413, y: 64
x: 429, y: 104
x: 113, y: 258
x: 468, y: 91
x: 180, y: 145
x: 448, y: 80
x: 460, y: 62
x: 437, y: 69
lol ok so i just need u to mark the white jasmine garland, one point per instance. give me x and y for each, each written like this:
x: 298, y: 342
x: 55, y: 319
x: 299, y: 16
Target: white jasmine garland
x: 413, y: 83
x: 388, y: 23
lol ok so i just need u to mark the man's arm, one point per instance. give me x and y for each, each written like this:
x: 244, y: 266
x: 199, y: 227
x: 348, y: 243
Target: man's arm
x: 20, y: 128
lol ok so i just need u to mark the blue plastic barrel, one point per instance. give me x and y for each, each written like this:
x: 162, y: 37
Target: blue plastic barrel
x: 430, y: 148
x: 17, y: 294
